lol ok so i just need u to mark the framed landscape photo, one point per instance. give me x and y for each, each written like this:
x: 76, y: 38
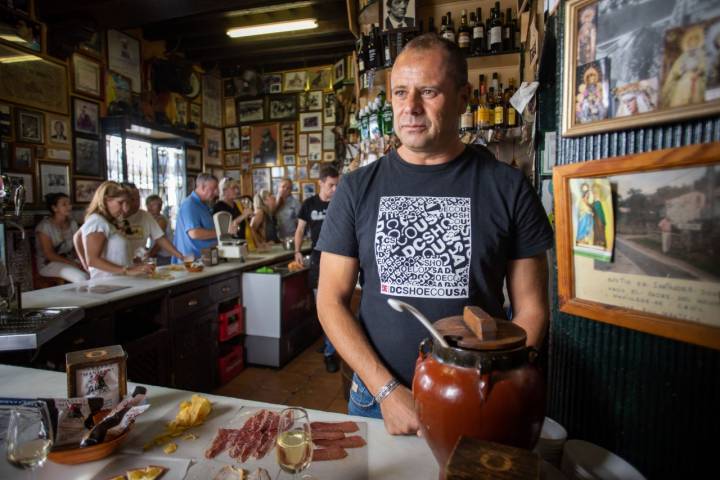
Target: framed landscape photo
x: 86, y: 116
x: 88, y: 157
x: 54, y: 178
x: 26, y: 180
x: 30, y: 126
x: 311, y: 122
x: 193, y: 158
x: 294, y: 81
x: 58, y: 130
x: 283, y: 107
x: 620, y: 73
x: 213, y: 146
x: 124, y: 57
x: 87, y: 76
x: 85, y: 189
x: 250, y: 110
x: 264, y: 144
x: 38, y: 83
x: 636, y: 242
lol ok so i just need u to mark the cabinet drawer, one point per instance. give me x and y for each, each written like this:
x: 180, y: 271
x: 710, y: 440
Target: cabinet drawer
x: 189, y: 302
x: 225, y: 290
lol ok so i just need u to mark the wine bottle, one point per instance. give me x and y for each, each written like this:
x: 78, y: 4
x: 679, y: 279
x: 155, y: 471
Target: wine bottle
x: 496, y: 30
x: 466, y: 120
x: 483, y: 115
x: 507, y: 31
x: 431, y: 25
x: 388, y: 55
x: 372, y: 49
x: 387, y: 118
x: 361, y: 53
x: 446, y: 30
x: 464, y: 34
x: 478, y: 40
x: 495, y: 82
x: 499, y: 120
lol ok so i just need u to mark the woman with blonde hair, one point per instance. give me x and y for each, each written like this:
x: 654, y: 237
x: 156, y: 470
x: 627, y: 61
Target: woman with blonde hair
x: 229, y: 193
x: 263, y: 222
x: 104, y: 248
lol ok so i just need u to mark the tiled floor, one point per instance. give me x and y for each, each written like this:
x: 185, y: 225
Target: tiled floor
x: 302, y: 382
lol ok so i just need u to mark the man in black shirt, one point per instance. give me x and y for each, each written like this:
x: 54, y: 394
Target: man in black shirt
x: 437, y: 224
x: 312, y: 213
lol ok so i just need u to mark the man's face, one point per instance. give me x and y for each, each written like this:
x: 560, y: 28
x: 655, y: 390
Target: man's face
x: 134, y: 201
x: 426, y: 103
x: 398, y: 8
x: 327, y: 187
x: 208, y: 190
x: 284, y: 189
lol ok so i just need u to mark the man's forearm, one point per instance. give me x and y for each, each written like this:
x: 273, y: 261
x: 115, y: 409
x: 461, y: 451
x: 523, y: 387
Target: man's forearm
x: 202, y: 234
x: 535, y: 326
x: 168, y: 247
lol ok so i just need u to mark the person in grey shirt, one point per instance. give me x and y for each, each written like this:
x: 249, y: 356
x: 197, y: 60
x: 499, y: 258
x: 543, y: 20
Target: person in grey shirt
x: 287, y: 210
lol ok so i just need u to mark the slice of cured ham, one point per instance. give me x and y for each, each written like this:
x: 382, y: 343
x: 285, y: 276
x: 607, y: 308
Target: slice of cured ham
x: 325, y: 454
x: 354, y: 441
x: 345, y: 427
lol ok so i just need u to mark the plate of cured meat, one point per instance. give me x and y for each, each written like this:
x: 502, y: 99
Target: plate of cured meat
x: 339, y: 448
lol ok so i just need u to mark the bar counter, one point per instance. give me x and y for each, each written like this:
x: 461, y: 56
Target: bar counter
x: 389, y: 457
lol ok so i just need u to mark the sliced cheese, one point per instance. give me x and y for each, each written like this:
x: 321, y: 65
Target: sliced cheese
x: 151, y: 472
x: 170, y: 448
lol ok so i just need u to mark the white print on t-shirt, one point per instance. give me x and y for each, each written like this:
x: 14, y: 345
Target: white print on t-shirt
x: 422, y: 246
x: 316, y: 215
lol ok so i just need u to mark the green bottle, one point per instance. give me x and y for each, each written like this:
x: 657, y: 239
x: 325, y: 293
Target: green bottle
x: 387, y: 116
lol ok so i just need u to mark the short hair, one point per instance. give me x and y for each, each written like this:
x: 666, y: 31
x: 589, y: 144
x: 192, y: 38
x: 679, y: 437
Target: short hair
x: 152, y: 198
x: 328, y: 171
x: 457, y: 66
x: 203, y: 178
x: 129, y: 185
x: 52, y: 199
x: 225, y: 183
x: 286, y: 180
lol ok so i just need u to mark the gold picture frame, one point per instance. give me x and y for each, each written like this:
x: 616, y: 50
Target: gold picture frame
x: 33, y: 80
x: 664, y: 278
x: 636, y: 76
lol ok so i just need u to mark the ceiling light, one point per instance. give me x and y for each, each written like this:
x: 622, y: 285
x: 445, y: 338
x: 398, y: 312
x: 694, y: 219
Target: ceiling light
x: 305, y: 24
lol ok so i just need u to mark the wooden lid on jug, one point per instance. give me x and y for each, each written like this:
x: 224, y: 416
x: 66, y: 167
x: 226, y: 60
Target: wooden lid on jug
x: 487, y: 333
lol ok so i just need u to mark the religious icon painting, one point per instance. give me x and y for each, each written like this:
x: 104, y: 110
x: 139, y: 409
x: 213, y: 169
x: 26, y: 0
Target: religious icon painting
x: 684, y: 77
x: 587, y: 34
x: 592, y: 218
x: 592, y: 95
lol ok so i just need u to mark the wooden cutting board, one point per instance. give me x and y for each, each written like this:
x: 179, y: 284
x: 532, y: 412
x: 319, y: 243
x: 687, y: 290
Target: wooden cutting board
x: 474, y: 459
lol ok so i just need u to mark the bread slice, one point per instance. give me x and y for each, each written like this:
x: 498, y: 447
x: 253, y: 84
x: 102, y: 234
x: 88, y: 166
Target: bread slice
x: 152, y: 472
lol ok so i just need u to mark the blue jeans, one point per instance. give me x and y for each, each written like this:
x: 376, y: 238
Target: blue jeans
x: 329, y: 349
x: 361, y: 402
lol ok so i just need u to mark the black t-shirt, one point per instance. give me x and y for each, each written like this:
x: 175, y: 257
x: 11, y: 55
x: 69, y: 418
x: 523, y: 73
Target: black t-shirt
x: 233, y: 210
x: 438, y: 237
x: 313, y: 212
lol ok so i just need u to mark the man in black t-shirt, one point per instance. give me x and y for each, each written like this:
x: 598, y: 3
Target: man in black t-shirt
x: 436, y: 224
x: 312, y: 213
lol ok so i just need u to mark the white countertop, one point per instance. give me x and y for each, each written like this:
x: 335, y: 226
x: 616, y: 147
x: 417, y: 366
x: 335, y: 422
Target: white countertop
x: 67, y: 295
x: 389, y: 457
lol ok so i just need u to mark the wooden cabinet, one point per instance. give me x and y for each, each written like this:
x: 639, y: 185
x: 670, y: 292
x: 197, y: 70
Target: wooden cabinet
x: 194, y: 347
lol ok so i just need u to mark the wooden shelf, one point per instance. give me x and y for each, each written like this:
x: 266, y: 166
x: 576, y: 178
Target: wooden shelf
x: 495, y: 60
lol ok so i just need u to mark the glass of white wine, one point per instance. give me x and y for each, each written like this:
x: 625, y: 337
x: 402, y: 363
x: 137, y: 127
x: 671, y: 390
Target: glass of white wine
x: 294, y: 443
x: 29, y: 437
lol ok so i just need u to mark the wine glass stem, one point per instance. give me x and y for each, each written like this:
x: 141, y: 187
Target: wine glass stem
x: 33, y: 475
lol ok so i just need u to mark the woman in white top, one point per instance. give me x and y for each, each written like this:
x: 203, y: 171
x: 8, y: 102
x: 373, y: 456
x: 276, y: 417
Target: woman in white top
x: 54, y: 251
x: 103, y: 240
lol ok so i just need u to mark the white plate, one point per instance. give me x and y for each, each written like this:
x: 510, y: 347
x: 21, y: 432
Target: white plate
x: 583, y: 459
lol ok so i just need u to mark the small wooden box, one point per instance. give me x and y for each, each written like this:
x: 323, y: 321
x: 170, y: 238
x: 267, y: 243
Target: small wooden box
x: 98, y: 372
x: 474, y: 459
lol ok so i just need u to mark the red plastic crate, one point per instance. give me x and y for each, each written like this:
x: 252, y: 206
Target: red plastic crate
x: 231, y: 364
x: 231, y: 323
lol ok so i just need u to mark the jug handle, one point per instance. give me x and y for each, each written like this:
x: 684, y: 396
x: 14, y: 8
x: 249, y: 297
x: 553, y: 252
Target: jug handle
x: 425, y: 347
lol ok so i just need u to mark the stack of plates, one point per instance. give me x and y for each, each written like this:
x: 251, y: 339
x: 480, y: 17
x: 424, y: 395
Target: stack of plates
x: 552, y: 439
x: 586, y: 461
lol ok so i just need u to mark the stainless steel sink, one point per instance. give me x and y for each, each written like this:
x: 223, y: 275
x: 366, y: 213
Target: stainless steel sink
x: 36, y: 326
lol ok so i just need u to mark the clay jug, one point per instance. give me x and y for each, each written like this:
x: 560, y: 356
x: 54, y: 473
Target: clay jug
x: 487, y: 389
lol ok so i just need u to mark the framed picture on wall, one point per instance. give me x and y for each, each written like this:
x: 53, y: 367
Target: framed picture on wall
x: 320, y: 78
x: 620, y: 73
x: 26, y: 180
x: 264, y: 144
x: 181, y: 110
x: 58, y: 129
x: 85, y: 189
x: 21, y: 31
x: 124, y: 57
x: 30, y: 126
x: 329, y: 107
x: 272, y: 83
x: 636, y: 239
x: 6, y: 121
x: 54, y: 178
x: 87, y: 76
x: 339, y: 71
x: 195, y: 117
x: 398, y: 15
x: 311, y: 122
x: 212, y: 110
x: 283, y: 107
x: 22, y: 158
x: 307, y: 189
x: 311, y: 101
x: 213, y: 146
x: 232, y: 160
x: 229, y: 111
x: 193, y: 158
x: 287, y: 137
x: 250, y: 110
x: 232, y: 138
x: 86, y: 116
x: 88, y: 157
x: 294, y: 81
x: 315, y: 143
x: 261, y: 179
x: 328, y: 138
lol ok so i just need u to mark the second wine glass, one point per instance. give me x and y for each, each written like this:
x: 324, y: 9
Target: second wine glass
x: 294, y: 441
x: 29, y: 437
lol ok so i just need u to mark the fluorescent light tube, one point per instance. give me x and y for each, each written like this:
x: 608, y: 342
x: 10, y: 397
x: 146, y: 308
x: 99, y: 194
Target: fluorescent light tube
x: 305, y: 24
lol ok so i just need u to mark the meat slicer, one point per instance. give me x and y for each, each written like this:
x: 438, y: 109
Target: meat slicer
x: 228, y: 246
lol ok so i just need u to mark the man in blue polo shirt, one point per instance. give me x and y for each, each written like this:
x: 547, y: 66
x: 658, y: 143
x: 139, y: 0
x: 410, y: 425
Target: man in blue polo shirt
x: 195, y: 229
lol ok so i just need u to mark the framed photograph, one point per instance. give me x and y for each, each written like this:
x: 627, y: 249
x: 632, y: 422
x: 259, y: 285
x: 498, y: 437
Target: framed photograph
x: 307, y: 189
x: 195, y: 117
x: 26, y: 180
x: 288, y: 160
x: 245, y: 139
x: 86, y: 116
x: 621, y: 73
x: 272, y: 83
x: 124, y: 57
x: 328, y: 138
x: 641, y: 254
x: 6, y: 153
x: 339, y: 71
x: 350, y: 67
x: 6, y: 121
x: 290, y: 171
x: 250, y: 110
x: 59, y: 154
x: 287, y: 137
x: 232, y: 160
x: 311, y: 101
x: 87, y: 76
x: 234, y: 174
x: 311, y: 122
x: 30, y: 126
x: 21, y: 31
x: 294, y: 81
x: 329, y: 108
x: 264, y: 144
x: 398, y: 14
x: 39, y: 83
x: 314, y: 170
x: 22, y: 158
x: 229, y: 88
x: 213, y: 146
x: 277, y: 172
x: 193, y: 158
x: 88, y: 157
x: 54, y: 178
x: 181, y: 110
x: 302, y: 161
x: 320, y: 78
x: 118, y: 93
x: 283, y: 107
x: 261, y: 179
x: 212, y: 112
x: 248, y: 84
x: 302, y: 144
x: 85, y: 189
x: 95, y: 46
x: 232, y: 138
x: 328, y: 156
x: 229, y: 111
x: 58, y: 129
x: 217, y: 172
x: 315, y: 144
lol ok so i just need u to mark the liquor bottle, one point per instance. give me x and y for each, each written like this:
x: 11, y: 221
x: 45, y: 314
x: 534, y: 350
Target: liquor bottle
x: 373, y: 52
x: 495, y: 82
x: 499, y: 119
x: 496, y: 30
x: 478, y: 40
x: 361, y: 53
x: 483, y: 112
x: 388, y: 54
x: 446, y: 30
x: 364, y: 123
x: 431, y: 25
x: 379, y: 104
x: 464, y: 34
x: 491, y: 105
x: 466, y: 120
x: 475, y: 101
x: 373, y: 125
x: 516, y: 33
x: 507, y: 31
x: 387, y: 118
x: 510, y: 113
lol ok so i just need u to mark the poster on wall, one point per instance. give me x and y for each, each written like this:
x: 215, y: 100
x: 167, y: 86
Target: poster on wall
x: 124, y: 57
x: 264, y: 144
x: 212, y: 109
x: 35, y: 82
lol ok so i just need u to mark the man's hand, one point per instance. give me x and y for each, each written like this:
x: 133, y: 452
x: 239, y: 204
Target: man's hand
x: 299, y: 258
x: 398, y: 410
